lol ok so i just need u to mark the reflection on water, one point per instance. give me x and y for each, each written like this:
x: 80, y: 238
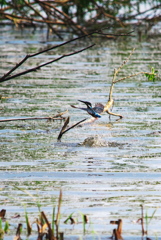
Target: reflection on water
x: 106, y: 181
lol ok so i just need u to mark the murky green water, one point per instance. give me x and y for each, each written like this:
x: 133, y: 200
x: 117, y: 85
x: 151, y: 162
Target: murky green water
x: 106, y: 183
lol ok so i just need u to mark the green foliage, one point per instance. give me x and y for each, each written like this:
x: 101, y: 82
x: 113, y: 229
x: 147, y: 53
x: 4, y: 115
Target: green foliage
x: 27, y: 223
x: 0, y: 223
x: 152, y: 75
x: 9, y: 2
x: 3, y: 2
x: 4, y: 229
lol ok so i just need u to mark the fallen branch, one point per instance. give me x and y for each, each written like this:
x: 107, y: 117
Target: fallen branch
x: 64, y: 130
x: 30, y: 118
x: 133, y: 75
x: 56, y: 117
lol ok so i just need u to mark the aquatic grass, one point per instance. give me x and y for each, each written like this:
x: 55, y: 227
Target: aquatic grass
x: 70, y: 218
x: 46, y: 229
x: 29, y: 229
x: 42, y: 221
x: 3, y: 229
x: 148, y: 219
x: 57, y: 221
x: 84, y: 218
x: 53, y: 220
x: 84, y: 221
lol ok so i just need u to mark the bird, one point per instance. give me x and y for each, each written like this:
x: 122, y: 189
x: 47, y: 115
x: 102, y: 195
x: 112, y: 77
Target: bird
x: 94, y: 112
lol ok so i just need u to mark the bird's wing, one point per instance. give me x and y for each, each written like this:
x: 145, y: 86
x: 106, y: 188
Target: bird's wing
x: 98, y: 108
x: 85, y: 102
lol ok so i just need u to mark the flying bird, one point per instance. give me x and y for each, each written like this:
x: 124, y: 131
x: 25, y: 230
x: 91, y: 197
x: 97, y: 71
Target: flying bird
x: 94, y: 112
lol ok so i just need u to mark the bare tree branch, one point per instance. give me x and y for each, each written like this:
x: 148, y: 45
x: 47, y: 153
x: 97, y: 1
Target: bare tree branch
x: 58, y: 116
x: 7, y: 77
x: 31, y: 118
x: 62, y: 131
x: 133, y: 75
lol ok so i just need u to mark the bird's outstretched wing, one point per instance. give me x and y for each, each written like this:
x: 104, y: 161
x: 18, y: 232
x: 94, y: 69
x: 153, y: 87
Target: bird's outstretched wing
x: 88, y: 104
x: 98, y: 108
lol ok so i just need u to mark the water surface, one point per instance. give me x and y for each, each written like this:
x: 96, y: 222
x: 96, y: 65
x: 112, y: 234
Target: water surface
x: 106, y: 183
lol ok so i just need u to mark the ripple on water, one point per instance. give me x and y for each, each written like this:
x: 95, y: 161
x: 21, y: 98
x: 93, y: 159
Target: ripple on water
x: 106, y: 170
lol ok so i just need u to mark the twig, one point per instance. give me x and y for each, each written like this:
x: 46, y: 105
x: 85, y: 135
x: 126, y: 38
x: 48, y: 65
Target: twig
x: 7, y: 76
x: 133, y: 75
x: 55, y: 117
x: 29, y: 19
x: 50, y: 26
x: 124, y: 62
x: 58, y: 214
x: 67, y: 17
x: 62, y: 131
x: 115, y: 35
x: 104, y: 12
x: 142, y: 220
x: 110, y: 102
x: 30, y: 118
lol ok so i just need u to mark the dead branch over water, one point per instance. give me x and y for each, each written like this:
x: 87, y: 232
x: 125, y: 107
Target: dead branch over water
x: 64, y: 129
x: 8, y: 75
